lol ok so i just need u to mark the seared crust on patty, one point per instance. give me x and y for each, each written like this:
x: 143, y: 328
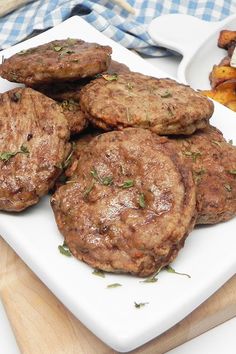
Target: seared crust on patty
x: 33, y: 146
x: 213, y: 162
x: 76, y: 119
x: 129, y: 205
x: 135, y: 100
x: 59, y: 60
x: 71, y: 90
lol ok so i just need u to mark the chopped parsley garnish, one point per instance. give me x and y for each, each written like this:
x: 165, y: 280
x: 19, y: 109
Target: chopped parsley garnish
x: 166, y: 94
x: 57, y: 48
x: 215, y: 142
x: 140, y: 304
x: 169, y: 269
x: 7, y: 155
x: 128, y: 114
x: 114, y: 285
x: 25, y: 51
x: 127, y: 184
x: 233, y: 171
x: 108, y: 77
x: 66, y: 51
x: 130, y: 86
x: 99, y: 273
x: 63, y: 249
x: 193, y: 154
x: 197, y: 175
x: 105, y: 181
x: 153, y: 278
x: 88, y: 190
x: 71, y: 41
x: 228, y: 187
x: 68, y: 105
x: 230, y: 141
x: 16, y: 96
x: 67, y: 161
x: 141, y: 201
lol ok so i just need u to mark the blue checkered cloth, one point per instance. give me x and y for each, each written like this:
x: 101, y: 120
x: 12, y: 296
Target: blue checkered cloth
x: 127, y: 29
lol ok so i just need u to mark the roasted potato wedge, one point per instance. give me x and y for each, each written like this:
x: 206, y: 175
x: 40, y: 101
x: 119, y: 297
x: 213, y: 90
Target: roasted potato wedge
x: 225, y: 93
x: 226, y: 38
x: 220, y: 74
x: 232, y: 105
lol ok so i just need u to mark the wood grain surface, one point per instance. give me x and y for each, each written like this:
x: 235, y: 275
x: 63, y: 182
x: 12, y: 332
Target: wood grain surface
x: 43, y: 325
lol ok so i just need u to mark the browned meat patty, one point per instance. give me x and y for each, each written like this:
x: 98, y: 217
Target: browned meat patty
x: 213, y: 162
x: 76, y: 119
x: 79, y: 147
x: 71, y: 90
x: 60, y: 60
x: 118, y: 212
x: 117, y: 68
x: 33, y: 146
x: 132, y: 99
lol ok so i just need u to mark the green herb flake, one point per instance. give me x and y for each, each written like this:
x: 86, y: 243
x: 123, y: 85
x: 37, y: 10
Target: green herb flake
x: 71, y: 41
x: 141, y: 201
x: 140, y: 304
x: 99, y: 273
x: 107, y: 77
x: 127, y: 184
x: 88, y: 190
x: 67, y: 161
x: 7, y: 155
x: 228, y: 187
x: 233, y: 171
x: 166, y: 94
x: 193, y: 154
x: 106, y: 181
x: 153, y: 278
x: 114, y: 285
x: 66, y: 51
x: 215, y: 142
x: 230, y: 141
x: 16, y: 96
x: 130, y: 86
x: 169, y: 269
x: 57, y: 48
x: 63, y: 249
x: 197, y: 175
x: 128, y: 114
x: 68, y: 105
x: 24, y: 51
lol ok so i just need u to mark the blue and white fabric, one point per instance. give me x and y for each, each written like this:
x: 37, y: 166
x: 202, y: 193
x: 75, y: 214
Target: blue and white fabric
x: 116, y: 23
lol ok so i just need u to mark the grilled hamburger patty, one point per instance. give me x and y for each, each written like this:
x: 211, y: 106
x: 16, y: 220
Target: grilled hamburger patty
x: 213, y: 162
x: 71, y: 90
x: 59, y: 60
x: 129, y: 205
x: 135, y: 100
x: 33, y: 145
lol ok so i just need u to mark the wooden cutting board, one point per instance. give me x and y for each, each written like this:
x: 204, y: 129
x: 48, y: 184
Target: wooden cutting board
x: 43, y: 325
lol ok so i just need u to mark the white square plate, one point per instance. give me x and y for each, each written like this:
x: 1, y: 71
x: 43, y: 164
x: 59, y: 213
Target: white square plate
x: 196, y: 40
x: 208, y: 255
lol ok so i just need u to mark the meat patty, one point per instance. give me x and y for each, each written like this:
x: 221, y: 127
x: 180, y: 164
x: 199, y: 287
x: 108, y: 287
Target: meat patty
x: 135, y: 100
x: 33, y: 146
x: 71, y: 90
x: 118, y: 212
x: 213, y: 162
x: 76, y: 119
x: 60, y: 60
